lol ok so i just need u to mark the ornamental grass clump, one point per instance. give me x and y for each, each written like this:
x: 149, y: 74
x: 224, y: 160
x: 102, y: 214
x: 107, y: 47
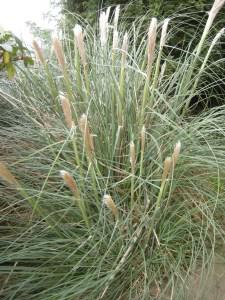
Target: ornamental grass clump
x: 115, y: 189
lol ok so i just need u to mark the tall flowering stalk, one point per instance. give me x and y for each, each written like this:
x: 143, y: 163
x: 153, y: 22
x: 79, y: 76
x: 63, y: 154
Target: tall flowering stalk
x: 152, y: 34
x: 59, y: 53
x: 214, y: 42
x: 176, y: 153
x: 66, y: 107
x: 79, y: 43
x: 87, y: 137
x: 169, y: 164
x: 122, y: 78
x: 57, y: 46
x: 72, y: 185
x: 40, y: 56
x: 166, y: 169
x: 217, y: 6
x: 104, y: 27
x: 108, y: 201
x: 161, y: 46
x: 115, y: 31
x: 80, y: 46
x: 116, y: 17
x: 39, y: 53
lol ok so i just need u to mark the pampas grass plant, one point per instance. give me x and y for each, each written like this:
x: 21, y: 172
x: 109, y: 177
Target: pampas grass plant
x: 113, y: 189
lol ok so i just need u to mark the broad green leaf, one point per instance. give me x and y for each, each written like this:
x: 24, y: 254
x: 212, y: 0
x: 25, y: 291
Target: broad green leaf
x: 10, y: 70
x: 6, y: 57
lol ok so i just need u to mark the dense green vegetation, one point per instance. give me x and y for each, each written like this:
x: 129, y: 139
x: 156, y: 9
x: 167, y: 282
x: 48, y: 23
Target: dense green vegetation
x: 12, y: 51
x: 136, y: 8
x: 111, y: 187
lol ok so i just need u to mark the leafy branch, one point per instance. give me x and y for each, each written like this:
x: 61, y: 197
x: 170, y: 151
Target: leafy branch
x: 12, y: 51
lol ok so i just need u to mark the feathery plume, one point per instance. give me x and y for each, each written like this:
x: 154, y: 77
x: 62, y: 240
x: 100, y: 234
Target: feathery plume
x: 116, y: 17
x: 164, y: 33
x: 7, y: 175
x: 108, y: 201
x: 38, y: 51
x: 132, y: 156
x: 103, y: 28
x: 115, y: 31
x: 107, y: 13
x: 88, y: 138
x: 214, y: 41
x: 70, y: 182
x: 176, y: 153
x: 217, y: 5
x: 66, y: 107
x: 166, y: 168
x: 217, y: 37
x: 151, y: 43
x: 79, y: 43
x: 57, y: 46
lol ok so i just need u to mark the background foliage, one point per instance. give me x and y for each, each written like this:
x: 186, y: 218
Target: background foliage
x: 12, y: 50
x: 157, y: 7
